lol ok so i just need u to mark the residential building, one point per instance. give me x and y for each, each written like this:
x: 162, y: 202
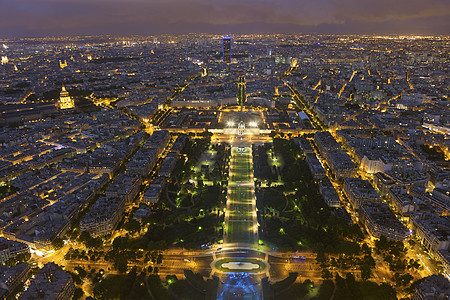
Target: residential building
x: 12, y: 278
x: 381, y: 221
x: 315, y: 166
x: 432, y: 230
x: 359, y: 191
x: 434, y: 287
x: 329, y: 194
x: 341, y: 164
x: 50, y: 283
x: 10, y: 249
x: 104, y: 216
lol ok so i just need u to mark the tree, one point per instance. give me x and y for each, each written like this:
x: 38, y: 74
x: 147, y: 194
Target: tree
x: 94, y: 243
x: 121, y: 264
x: 171, y: 279
x: 128, y: 283
x: 75, y: 277
x: 133, y: 226
x: 57, y: 243
x: 366, y: 271
x: 320, y: 256
x: 350, y: 280
x: 368, y: 259
x: 23, y: 257
x: 386, y: 291
x: 78, y: 294
x: 120, y: 243
x: 366, y: 249
x: 326, y: 274
x: 84, y: 236
x: 403, y: 280
x: 340, y: 282
x: 272, y: 134
x: 154, y: 256
x: 74, y: 234
x: 81, y: 272
x: 325, y: 290
x: 159, y: 259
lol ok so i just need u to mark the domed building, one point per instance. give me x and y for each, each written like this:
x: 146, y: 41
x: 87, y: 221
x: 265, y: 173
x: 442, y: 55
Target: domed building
x: 65, y: 102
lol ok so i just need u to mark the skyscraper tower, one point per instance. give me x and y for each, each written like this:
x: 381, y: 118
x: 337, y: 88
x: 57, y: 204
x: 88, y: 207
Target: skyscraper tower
x: 65, y: 101
x: 241, y: 92
x: 226, y: 49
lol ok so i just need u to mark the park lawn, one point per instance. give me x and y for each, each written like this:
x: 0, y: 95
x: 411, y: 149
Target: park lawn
x: 240, y: 232
x: 242, y: 212
x: 240, y: 177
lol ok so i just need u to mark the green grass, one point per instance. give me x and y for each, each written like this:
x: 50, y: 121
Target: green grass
x: 243, y: 165
x: 240, y: 232
x: 240, y: 178
x: 240, y: 166
x: 240, y: 226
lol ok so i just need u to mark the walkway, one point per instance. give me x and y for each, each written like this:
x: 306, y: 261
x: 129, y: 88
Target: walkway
x: 241, y: 224
x: 240, y: 232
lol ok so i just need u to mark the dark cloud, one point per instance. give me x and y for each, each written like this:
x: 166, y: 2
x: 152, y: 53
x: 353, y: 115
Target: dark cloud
x: 41, y: 17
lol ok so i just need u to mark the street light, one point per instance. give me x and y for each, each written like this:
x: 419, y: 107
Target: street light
x: 230, y: 123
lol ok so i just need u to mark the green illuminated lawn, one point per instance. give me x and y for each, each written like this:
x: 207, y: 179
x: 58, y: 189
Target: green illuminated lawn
x: 239, y: 228
x: 240, y: 168
x: 240, y: 232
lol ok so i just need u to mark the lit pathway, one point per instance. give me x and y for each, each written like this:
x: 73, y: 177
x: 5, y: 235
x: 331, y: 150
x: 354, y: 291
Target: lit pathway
x: 241, y: 224
x: 239, y: 279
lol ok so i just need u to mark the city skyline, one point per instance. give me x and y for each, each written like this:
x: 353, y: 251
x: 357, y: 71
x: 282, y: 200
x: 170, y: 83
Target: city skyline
x: 68, y: 18
x: 228, y: 165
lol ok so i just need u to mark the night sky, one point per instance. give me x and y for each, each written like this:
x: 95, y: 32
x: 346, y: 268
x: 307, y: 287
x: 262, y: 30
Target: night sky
x: 22, y: 18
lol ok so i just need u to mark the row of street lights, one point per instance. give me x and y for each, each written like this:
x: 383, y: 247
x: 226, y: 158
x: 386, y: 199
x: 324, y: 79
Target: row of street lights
x: 250, y: 124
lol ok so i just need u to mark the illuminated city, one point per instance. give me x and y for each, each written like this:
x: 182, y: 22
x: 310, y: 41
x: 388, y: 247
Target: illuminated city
x: 225, y: 166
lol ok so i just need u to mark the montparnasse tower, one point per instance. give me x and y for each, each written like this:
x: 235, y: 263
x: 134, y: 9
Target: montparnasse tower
x: 65, y: 102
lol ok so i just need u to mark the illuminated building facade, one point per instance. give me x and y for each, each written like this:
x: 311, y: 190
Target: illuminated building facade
x: 62, y: 65
x: 226, y: 49
x: 65, y: 102
x: 241, y: 92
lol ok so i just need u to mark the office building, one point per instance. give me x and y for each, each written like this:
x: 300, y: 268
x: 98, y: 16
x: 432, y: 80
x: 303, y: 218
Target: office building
x: 226, y: 49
